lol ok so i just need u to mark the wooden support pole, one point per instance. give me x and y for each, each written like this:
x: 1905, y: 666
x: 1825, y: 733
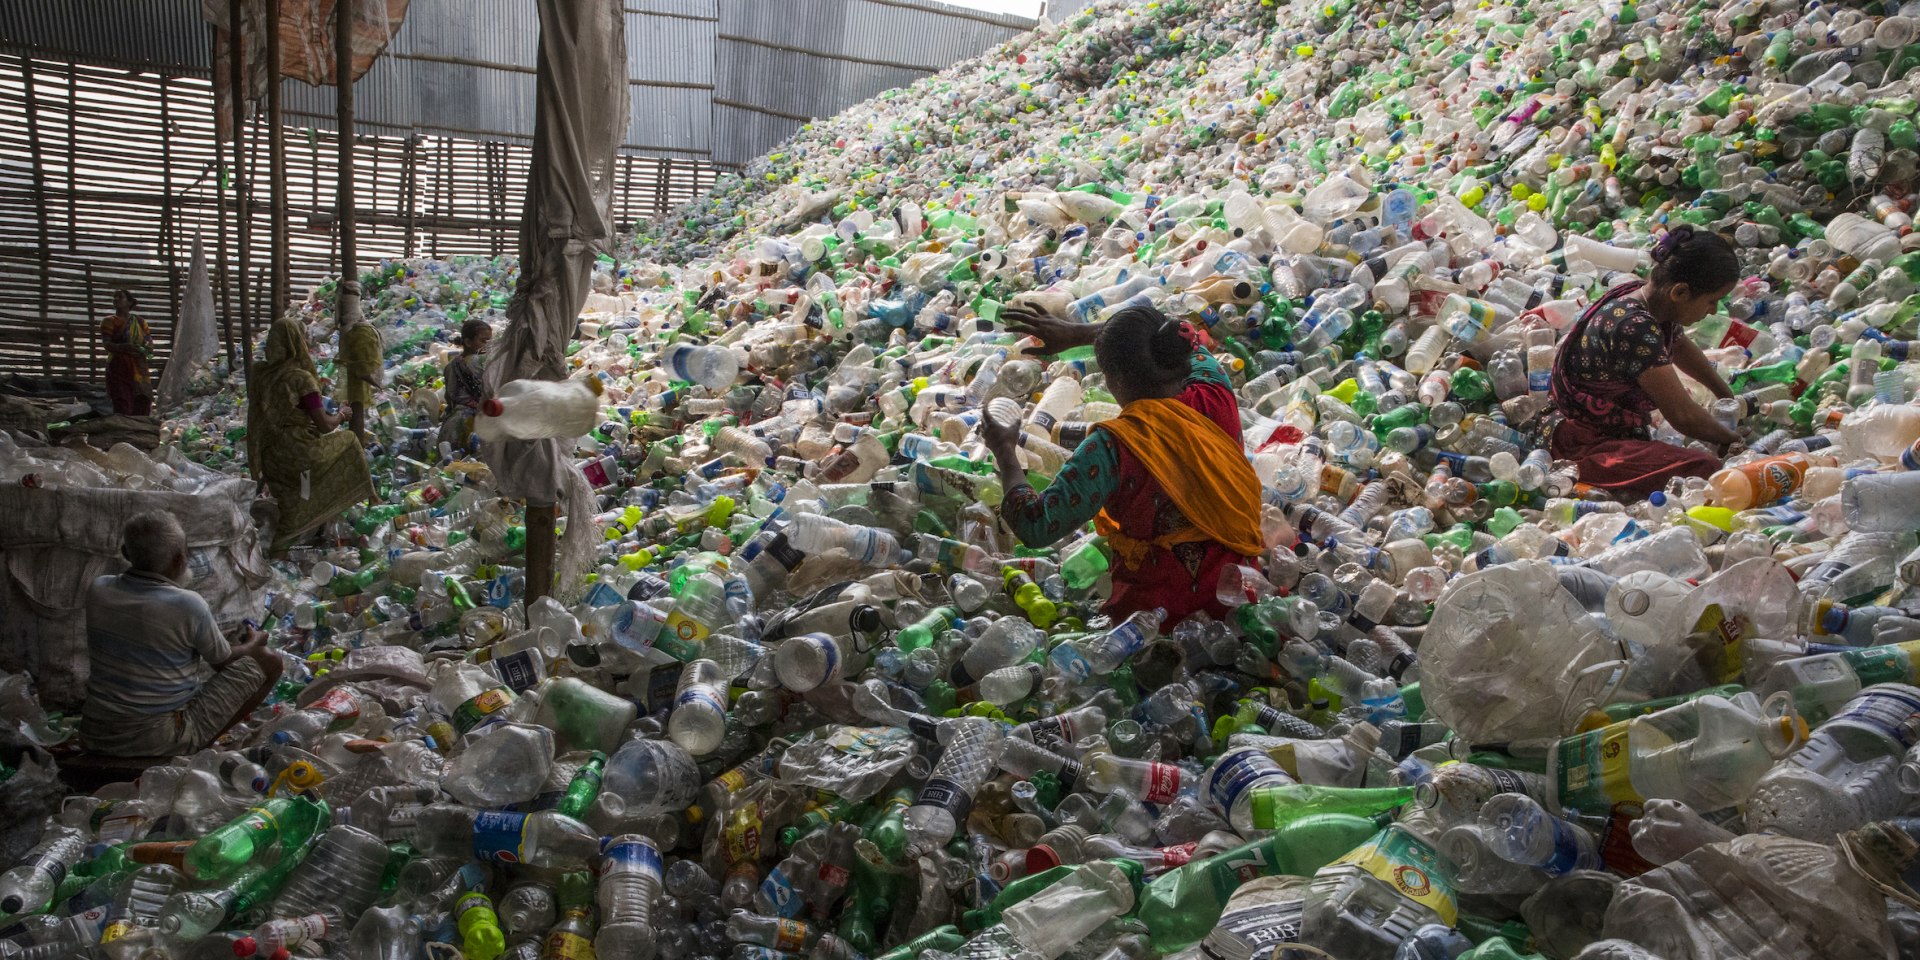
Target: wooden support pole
x: 540, y: 550
x: 347, y: 303
x: 243, y: 202
x: 282, y: 288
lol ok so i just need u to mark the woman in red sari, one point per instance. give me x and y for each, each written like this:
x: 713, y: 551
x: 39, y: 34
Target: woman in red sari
x: 1166, y: 482
x: 1622, y: 360
x: 128, y: 351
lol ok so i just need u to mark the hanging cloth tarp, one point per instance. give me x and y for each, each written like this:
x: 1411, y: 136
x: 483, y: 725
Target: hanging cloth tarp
x: 581, y: 113
x: 306, y: 44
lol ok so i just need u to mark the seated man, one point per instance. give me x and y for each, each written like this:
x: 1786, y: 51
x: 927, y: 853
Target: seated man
x: 164, y: 682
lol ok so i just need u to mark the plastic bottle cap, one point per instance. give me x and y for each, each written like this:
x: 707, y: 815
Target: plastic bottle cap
x: 1040, y: 859
x: 493, y: 407
x: 245, y: 947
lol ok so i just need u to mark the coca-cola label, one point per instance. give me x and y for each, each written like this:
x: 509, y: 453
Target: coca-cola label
x: 1178, y: 855
x: 1739, y: 335
x: 1163, y: 783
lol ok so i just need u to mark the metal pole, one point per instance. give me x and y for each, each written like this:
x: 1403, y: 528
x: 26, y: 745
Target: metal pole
x: 346, y: 309
x: 277, y: 167
x: 243, y: 212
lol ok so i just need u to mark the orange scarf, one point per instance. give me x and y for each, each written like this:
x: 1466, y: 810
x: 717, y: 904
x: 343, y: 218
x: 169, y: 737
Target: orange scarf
x: 1203, y: 471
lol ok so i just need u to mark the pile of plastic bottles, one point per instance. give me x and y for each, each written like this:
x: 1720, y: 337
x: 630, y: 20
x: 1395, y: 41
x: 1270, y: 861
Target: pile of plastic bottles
x: 813, y: 700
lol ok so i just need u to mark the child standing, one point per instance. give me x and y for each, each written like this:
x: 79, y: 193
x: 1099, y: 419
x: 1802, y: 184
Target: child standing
x: 465, y: 389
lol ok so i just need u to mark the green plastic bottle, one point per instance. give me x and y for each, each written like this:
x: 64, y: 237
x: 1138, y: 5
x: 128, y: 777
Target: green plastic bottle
x: 583, y: 788
x: 923, y: 632
x: 946, y: 939
x: 1181, y: 907
x: 222, y: 853
x: 1281, y: 806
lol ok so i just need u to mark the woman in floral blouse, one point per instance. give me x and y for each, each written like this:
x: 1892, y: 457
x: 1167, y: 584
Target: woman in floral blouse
x: 1622, y: 361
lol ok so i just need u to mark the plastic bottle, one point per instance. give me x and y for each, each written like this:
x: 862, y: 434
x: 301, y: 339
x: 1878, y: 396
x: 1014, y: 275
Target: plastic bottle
x: 538, y: 409
x: 338, y: 880
x: 629, y: 882
x: 699, y: 719
x: 1846, y: 773
x: 29, y: 886
x: 965, y: 763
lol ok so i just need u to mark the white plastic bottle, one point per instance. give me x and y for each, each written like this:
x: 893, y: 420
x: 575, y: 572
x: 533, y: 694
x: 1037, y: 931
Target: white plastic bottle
x: 538, y: 409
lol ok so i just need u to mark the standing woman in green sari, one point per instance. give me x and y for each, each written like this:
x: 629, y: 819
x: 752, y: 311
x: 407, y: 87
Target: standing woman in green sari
x: 314, y: 471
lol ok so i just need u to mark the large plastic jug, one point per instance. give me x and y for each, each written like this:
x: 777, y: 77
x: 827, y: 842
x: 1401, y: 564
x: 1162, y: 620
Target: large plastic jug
x: 540, y: 409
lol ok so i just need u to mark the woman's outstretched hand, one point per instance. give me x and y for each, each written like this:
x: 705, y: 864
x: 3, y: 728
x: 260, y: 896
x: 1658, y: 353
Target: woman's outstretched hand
x: 1055, y: 335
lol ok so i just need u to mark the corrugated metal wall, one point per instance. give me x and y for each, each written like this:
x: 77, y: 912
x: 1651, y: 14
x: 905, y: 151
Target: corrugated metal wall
x: 721, y: 81
x: 779, y: 64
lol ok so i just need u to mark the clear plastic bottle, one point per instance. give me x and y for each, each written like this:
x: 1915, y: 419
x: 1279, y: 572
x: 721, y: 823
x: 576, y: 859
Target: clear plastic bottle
x: 970, y: 756
x: 541, y: 839
x: 338, y: 880
x: 30, y: 885
x: 629, y: 883
x: 699, y: 719
x: 1847, y: 772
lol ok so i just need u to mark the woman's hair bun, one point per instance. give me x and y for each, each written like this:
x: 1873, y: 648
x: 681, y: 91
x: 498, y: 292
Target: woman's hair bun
x: 1171, y: 349
x: 1672, y: 241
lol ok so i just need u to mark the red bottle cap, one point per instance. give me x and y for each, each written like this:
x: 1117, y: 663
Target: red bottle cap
x: 493, y: 407
x: 245, y: 947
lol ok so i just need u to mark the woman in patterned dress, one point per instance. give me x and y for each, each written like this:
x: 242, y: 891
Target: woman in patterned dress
x: 128, y: 351
x: 1167, y: 482
x: 1622, y: 361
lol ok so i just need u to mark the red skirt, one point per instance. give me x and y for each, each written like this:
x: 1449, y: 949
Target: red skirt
x: 1627, y: 467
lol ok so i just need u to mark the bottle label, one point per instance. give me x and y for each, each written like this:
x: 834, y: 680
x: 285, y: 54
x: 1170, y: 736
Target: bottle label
x: 566, y: 945
x: 783, y: 553
x: 682, y: 638
x: 1178, y: 855
x: 790, y: 936
x: 1230, y: 779
x: 476, y: 710
x: 948, y: 795
x: 1593, y: 771
x: 1400, y: 859
x: 699, y: 695
x: 640, y: 856
x: 1070, y: 773
x: 518, y: 670
x: 499, y: 835
x: 834, y: 875
x: 1894, y: 663
x: 1254, y: 932
x: 779, y: 891
x: 1884, y: 712
x: 1163, y: 783
x: 472, y: 900
x: 1071, y: 662
x: 1539, y: 381
x: 1774, y: 477
x: 1507, y: 781
x: 1739, y: 335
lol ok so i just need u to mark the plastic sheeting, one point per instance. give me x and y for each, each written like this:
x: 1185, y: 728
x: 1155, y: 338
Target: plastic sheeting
x: 54, y: 542
x: 195, y: 340
x: 306, y: 44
